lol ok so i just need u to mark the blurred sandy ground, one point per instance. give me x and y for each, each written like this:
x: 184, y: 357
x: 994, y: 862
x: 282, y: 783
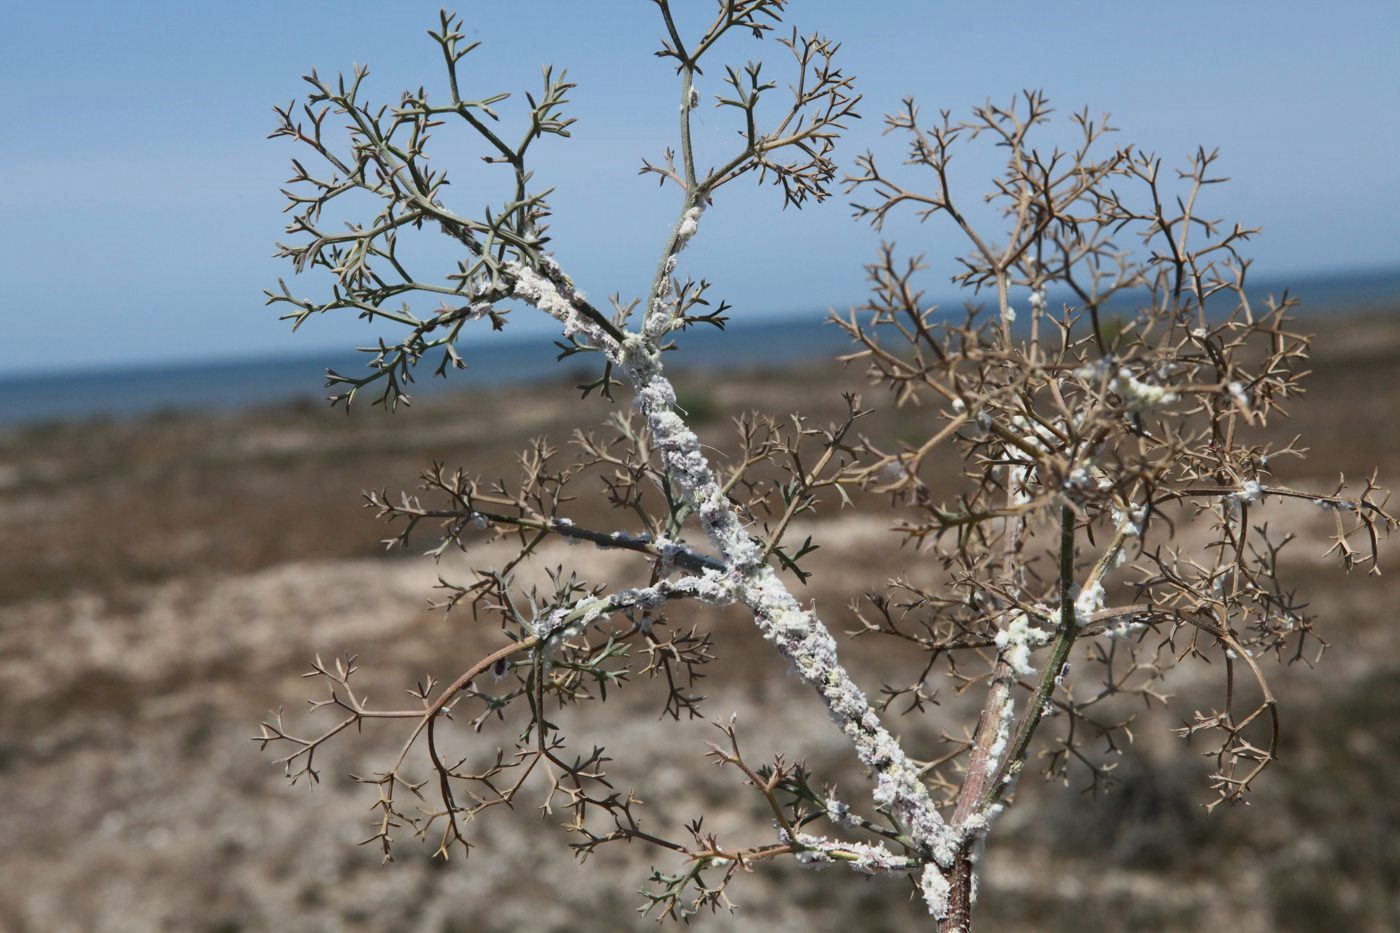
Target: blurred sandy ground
x: 163, y: 583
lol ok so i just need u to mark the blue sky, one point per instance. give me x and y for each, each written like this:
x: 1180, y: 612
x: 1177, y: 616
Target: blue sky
x: 140, y: 203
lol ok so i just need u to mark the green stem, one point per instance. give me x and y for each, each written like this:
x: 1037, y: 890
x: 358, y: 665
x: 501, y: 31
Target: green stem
x: 1059, y: 652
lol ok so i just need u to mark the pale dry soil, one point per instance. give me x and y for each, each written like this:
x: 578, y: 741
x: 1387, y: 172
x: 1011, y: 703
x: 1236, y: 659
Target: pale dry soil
x: 164, y: 583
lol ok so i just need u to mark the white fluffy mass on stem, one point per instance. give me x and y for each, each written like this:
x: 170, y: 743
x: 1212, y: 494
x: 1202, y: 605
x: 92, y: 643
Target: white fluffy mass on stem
x: 555, y: 296
x: 796, y: 633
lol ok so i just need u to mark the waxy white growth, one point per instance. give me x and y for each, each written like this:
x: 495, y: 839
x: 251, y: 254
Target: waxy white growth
x: 663, y: 310
x: 1005, y: 716
x: 839, y: 813
x: 1088, y: 601
x: 555, y: 295
x: 1017, y: 641
x: 1141, y: 397
x: 1038, y: 299
x: 796, y: 633
x: 690, y: 222
x: 868, y: 859
x: 1125, y: 630
x: 1130, y: 523
x: 1250, y: 492
x: 669, y: 551
x: 935, y: 889
x: 711, y: 587
x: 1036, y: 435
x: 1014, y: 644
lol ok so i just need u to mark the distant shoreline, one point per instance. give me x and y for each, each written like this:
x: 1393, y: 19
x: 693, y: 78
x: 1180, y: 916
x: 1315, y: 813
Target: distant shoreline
x: 125, y: 392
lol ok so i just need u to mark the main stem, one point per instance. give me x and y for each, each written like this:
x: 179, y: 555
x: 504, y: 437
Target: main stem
x: 959, y: 917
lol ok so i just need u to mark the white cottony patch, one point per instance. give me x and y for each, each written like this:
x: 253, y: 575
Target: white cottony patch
x: 839, y: 813
x: 567, y: 621
x: 1088, y: 601
x: 1238, y: 394
x: 977, y: 825
x: 1090, y: 372
x: 1008, y: 314
x: 556, y: 297
x: 1130, y: 523
x: 1125, y: 630
x: 713, y: 588
x: 1017, y: 641
x: 555, y: 273
x: 935, y: 889
x: 1035, y: 434
x: 479, y: 521
x: 947, y: 849
x: 535, y: 289
x: 959, y: 406
x: 668, y: 550
x: 694, y: 100
x: 1250, y: 493
x: 1003, y: 734
x: 1141, y: 397
x: 797, y: 633
x: 1038, y: 299
x: 867, y: 859
x: 690, y: 222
